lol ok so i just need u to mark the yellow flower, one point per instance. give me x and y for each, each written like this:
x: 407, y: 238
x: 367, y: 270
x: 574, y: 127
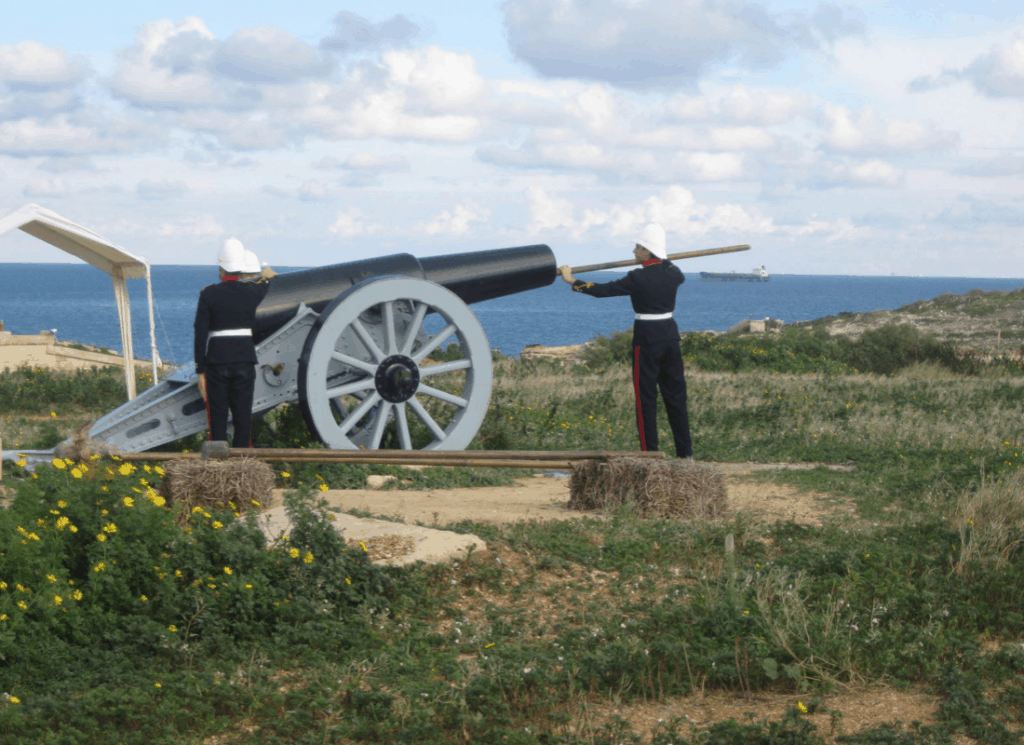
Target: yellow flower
x: 23, y: 605
x: 57, y: 599
x: 285, y: 475
x: 801, y: 707
x: 146, y: 468
x: 73, y: 529
x: 62, y: 522
x: 62, y: 504
x: 144, y: 599
x: 348, y: 581
x: 157, y: 685
x: 77, y: 473
x: 159, y: 470
x: 217, y: 525
x: 3, y: 585
x: 3, y: 616
x: 125, y: 469
x: 58, y: 463
x: 294, y: 553
x: 324, y: 487
x: 255, y: 502
x: 77, y: 594
x: 177, y: 572
x: 51, y: 578
x: 100, y: 537
x: 308, y: 558
x: 248, y: 587
x: 128, y: 502
x: 101, y: 567
x: 20, y: 462
x: 227, y: 570
x: 14, y: 700
x: 110, y: 528
x: 173, y: 629
x: 53, y: 414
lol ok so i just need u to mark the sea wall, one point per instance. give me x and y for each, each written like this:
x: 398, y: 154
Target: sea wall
x: 43, y: 350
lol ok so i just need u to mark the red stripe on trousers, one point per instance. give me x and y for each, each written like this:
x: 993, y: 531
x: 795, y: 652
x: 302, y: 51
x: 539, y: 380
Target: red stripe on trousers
x: 636, y: 391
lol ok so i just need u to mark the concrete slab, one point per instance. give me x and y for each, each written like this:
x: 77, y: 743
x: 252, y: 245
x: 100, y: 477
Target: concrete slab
x: 395, y: 544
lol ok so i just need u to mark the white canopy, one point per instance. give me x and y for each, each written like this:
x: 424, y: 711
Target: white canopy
x: 47, y: 225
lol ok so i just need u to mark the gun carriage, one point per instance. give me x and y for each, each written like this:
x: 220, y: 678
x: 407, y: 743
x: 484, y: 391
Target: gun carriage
x: 350, y: 342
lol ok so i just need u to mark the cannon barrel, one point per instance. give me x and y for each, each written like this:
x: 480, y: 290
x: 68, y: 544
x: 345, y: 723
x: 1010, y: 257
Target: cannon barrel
x: 474, y: 276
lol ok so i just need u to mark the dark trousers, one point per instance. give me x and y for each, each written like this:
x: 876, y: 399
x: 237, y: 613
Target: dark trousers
x: 229, y: 387
x: 661, y: 366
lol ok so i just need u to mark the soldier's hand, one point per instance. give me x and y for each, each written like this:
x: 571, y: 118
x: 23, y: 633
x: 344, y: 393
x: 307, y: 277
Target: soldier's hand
x: 566, y: 272
x: 202, y: 385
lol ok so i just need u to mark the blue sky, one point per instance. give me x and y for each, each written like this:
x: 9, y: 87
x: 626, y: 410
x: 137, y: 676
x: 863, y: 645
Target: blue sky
x: 835, y: 139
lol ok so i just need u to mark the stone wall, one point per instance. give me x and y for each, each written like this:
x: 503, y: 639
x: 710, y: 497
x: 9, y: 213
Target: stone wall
x: 42, y: 350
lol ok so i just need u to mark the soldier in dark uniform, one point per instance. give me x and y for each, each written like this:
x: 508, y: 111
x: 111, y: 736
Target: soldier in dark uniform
x: 657, y: 361
x: 224, y: 350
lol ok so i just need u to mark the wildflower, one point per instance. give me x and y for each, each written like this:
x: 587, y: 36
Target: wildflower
x: 53, y: 414
x: 144, y: 599
x: 173, y: 629
x: 227, y: 570
x: 363, y: 545
x: 324, y: 487
x: 62, y: 504
x: 73, y: 528
x: 20, y: 462
x: 14, y: 700
x: 100, y: 537
x: 62, y: 522
x: 217, y: 525
x: 101, y: 567
x: 257, y: 504
x: 3, y: 585
x: 77, y: 595
x: 348, y: 581
x: 147, y: 469
x: 110, y: 528
x: 285, y: 475
x: 248, y: 587
x: 125, y: 469
x: 57, y: 600
x: 801, y: 707
x: 157, y: 685
x: 76, y: 472
x: 294, y: 553
x: 159, y: 470
x: 128, y: 502
x: 51, y: 578
x: 308, y: 558
x: 22, y: 604
x: 58, y: 463
x: 177, y: 572
x: 3, y: 616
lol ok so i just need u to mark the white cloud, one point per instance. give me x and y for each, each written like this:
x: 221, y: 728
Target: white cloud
x: 53, y: 187
x: 364, y: 161
x: 200, y: 227
x: 154, y: 190
x: 353, y: 33
x: 751, y: 106
x: 314, y: 191
x: 353, y: 221
x: 268, y: 55
x: 29, y: 64
x: 661, y: 42
x: 999, y: 73
x: 868, y: 132
x: 456, y: 222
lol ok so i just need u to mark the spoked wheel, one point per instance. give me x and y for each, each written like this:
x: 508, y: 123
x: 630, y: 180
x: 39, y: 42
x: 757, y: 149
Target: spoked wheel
x: 361, y: 373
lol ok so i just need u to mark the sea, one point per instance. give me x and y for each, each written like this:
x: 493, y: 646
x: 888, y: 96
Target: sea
x: 76, y: 301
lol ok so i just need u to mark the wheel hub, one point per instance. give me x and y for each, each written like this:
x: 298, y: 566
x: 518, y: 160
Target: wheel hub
x: 397, y: 379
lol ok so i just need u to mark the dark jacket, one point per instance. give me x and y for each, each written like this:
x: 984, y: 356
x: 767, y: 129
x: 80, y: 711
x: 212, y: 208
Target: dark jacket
x: 226, y: 305
x: 651, y: 289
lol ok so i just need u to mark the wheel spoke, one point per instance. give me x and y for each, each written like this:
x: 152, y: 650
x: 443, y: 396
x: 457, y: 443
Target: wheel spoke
x: 363, y: 384
x: 390, y: 340
x: 402, y: 425
x: 367, y: 340
x: 443, y: 367
x: 414, y: 327
x: 443, y: 395
x: 427, y: 419
x: 355, y: 362
x: 434, y: 343
x: 358, y: 413
x: 380, y: 422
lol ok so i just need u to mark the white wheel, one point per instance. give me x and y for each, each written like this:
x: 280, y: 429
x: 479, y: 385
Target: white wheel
x: 362, y: 368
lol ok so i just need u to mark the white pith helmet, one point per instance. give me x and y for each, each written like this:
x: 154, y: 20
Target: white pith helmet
x: 252, y: 263
x: 232, y: 256
x: 653, y: 239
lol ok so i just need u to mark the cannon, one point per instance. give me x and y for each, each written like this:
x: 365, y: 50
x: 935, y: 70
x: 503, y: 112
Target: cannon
x: 350, y: 342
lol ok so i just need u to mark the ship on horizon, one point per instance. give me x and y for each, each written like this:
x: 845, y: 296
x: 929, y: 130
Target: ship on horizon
x: 760, y: 274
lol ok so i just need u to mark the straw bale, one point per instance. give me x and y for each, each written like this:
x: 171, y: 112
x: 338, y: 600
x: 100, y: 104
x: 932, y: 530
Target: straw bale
x: 236, y: 484
x: 662, y: 488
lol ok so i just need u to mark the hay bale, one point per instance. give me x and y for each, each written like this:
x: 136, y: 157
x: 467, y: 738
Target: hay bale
x: 663, y: 488
x: 236, y: 484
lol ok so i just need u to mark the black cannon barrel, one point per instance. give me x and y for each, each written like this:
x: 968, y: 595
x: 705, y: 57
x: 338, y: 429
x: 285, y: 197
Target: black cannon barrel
x: 475, y: 276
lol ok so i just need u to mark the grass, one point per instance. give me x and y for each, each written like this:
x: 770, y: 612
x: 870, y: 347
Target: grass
x: 922, y: 587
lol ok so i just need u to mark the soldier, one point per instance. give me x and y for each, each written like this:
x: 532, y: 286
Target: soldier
x: 224, y: 350
x: 657, y: 361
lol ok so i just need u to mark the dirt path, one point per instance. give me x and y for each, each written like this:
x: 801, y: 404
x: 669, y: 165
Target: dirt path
x: 546, y: 497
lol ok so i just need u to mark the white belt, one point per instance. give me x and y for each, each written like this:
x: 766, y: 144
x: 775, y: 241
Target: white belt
x: 231, y: 332
x: 653, y: 316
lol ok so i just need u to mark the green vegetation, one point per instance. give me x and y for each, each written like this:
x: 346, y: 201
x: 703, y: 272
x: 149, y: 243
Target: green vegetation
x: 917, y: 582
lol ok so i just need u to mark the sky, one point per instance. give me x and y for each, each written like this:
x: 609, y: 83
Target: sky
x: 870, y: 139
